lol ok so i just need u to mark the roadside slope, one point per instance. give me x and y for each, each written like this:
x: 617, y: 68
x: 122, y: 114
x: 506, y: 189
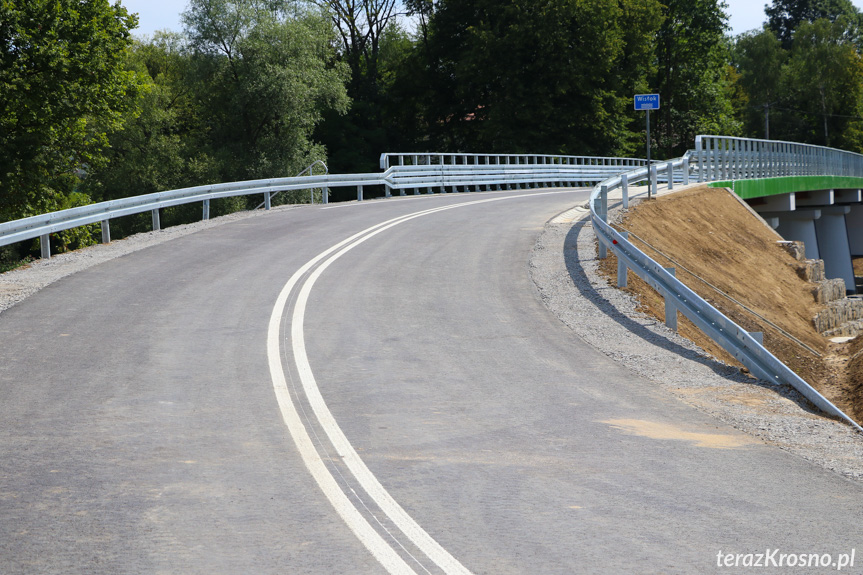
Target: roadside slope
x: 724, y: 252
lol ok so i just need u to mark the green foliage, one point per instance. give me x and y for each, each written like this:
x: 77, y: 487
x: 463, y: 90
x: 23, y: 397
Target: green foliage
x: 546, y: 75
x: 759, y: 57
x: 786, y: 16
x: 810, y: 93
x: 235, y: 98
x: 692, y: 55
x: 370, y: 44
x: 355, y: 140
x: 825, y: 76
x: 262, y: 82
x: 161, y: 147
x: 64, y: 90
x: 262, y: 88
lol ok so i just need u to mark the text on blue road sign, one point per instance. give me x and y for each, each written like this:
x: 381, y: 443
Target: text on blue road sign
x: 647, y: 101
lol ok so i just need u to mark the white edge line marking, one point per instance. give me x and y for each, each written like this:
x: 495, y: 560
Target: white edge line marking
x: 355, y: 521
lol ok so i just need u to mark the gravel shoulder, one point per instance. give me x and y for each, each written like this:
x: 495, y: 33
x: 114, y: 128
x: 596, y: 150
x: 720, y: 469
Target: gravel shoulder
x: 565, y: 269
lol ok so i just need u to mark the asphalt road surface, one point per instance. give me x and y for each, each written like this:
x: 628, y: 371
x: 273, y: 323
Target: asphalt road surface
x: 247, y: 400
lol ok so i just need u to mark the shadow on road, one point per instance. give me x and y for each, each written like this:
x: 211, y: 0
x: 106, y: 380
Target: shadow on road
x: 574, y: 258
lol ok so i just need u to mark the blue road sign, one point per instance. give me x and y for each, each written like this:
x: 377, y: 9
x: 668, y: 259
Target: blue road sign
x: 647, y: 101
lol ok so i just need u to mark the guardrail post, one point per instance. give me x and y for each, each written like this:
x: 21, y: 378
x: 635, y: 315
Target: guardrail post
x: 669, y: 170
x: 156, y: 223
x: 508, y: 185
x: 388, y: 191
x: 621, y: 267
x: 624, y: 188
x: 359, y: 193
x: 206, y: 210
x: 758, y: 336
x: 603, y: 203
x: 670, y: 308
x: 106, y: 232
x: 442, y: 186
x: 652, y: 183
x: 700, y: 153
x: 685, y: 169
x: 268, y: 201
x: 45, y: 246
x: 602, y: 212
x: 325, y: 195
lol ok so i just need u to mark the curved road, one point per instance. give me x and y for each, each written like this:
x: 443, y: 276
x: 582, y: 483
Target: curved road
x: 215, y: 405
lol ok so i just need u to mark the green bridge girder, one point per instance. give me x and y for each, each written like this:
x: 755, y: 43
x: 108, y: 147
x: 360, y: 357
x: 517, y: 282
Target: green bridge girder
x: 763, y: 187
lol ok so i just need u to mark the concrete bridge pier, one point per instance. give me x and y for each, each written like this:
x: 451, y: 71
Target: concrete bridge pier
x: 833, y: 244
x: 829, y: 222
x: 854, y: 227
x: 799, y: 226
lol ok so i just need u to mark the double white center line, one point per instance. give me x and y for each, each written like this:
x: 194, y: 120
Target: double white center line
x: 382, y: 549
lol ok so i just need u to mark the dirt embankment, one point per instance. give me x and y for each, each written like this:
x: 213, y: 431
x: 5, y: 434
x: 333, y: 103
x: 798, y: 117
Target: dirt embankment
x: 720, y: 248
x: 854, y: 374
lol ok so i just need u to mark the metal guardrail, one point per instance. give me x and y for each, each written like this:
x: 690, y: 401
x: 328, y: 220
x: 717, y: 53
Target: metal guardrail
x: 390, y: 159
x: 718, y: 164
x: 310, y: 170
x: 725, y: 158
x: 446, y: 172
x: 44, y: 224
x: 714, y: 158
x: 463, y: 172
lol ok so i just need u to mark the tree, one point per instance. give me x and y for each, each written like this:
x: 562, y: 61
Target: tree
x: 692, y: 55
x: 236, y: 97
x: 366, y: 30
x: 786, y: 16
x: 552, y: 76
x: 825, y: 77
x: 760, y: 61
x: 64, y: 90
x: 373, y: 124
x: 165, y: 145
x: 263, y: 77
x: 361, y: 25
x: 422, y: 10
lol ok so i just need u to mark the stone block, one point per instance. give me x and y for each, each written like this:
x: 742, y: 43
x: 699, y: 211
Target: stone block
x: 827, y: 291
x: 838, y: 314
x: 796, y: 249
x: 811, y: 270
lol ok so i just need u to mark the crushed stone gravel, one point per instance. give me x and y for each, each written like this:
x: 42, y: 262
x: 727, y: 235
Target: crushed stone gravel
x: 564, y: 267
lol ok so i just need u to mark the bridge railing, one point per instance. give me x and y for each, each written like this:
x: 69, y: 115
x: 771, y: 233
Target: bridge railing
x: 716, y: 159
x: 724, y: 158
x: 391, y: 159
x: 443, y: 172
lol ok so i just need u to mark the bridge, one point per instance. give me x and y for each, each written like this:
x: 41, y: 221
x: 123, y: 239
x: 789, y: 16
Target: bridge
x: 814, y: 198
x: 373, y: 387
